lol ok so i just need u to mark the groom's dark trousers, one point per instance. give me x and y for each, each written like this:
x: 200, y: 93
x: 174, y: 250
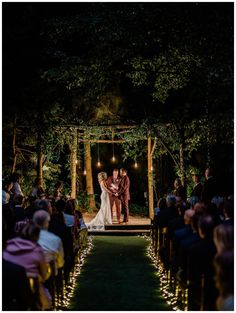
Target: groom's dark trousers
x: 125, y: 196
x: 114, y: 199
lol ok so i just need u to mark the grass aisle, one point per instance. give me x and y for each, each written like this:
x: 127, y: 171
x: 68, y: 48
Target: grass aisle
x: 118, y: 276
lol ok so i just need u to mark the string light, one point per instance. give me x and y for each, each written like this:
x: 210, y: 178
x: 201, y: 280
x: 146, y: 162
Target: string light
x: 135, y: 164
x: 68, y: 291
x: 76, y: 162
x: 85, y: 172
x: 170, y: 297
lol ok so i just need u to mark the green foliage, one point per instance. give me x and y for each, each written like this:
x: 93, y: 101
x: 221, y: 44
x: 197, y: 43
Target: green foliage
x: 164, y: 72
x: 83, y: 202
x: 138, y: 209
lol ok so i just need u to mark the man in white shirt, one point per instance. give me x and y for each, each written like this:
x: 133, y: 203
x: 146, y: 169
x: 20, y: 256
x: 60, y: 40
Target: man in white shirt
x: 50, y: 243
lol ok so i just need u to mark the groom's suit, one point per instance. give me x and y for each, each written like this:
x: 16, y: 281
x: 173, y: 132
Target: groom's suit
x: 124, y: 196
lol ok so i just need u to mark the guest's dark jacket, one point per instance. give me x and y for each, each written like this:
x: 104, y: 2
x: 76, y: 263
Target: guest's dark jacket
x: 181, y: 192
x: 174, y: 224
x: 209, y: 190
x: 197, y: 191
x: 165, y: 215
x: 16, y: 293
x: 201, y: 259
x: 200, y: 263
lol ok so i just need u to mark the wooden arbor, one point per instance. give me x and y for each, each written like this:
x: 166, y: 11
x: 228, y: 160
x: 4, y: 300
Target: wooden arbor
x: 79, y: 137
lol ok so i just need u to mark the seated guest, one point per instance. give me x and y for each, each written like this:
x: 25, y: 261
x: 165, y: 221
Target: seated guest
x: 177, y: 222
x: 8, y: 217
x: 25, y: 252
x: 186, y: 230
x: 58, y: 227
x: 224, y: 280
x: 44, y: 204
x: 192, y: 201
x: 228, y: 212
x: 179, y: 235
x: 18, y: 211
x: 223, y: 236
x: 30, y: 209
x: 13, y: 276
x: 38, y: 189
x: 69, y: 213
x: 161, y: 205
x: 185, y: 245
x: 16, y: 189
x: 13, y: 297
x: 82, y: 235
x: 212, y: 210
x: 199, y: 265
x: 50, y: 243
x: 199, y: 207
x: 6, y: 191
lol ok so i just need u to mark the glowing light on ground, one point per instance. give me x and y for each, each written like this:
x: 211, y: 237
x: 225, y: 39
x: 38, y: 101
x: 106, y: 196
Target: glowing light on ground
x: 68, y: 291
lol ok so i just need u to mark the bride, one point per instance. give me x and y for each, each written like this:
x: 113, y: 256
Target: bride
x: 104, y: 214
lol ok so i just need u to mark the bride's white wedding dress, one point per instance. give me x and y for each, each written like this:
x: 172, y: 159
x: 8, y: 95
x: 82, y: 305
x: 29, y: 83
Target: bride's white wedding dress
x: 104, y: 214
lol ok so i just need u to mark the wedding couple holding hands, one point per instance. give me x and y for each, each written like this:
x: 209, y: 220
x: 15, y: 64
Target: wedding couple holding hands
x: 115, y: 190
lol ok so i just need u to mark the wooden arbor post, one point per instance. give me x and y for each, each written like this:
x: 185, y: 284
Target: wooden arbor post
x: 73, y: 164
x: 89, y: 177
x: 150, y: 175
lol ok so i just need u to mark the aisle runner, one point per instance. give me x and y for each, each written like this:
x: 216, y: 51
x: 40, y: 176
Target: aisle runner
x: 118, y: 276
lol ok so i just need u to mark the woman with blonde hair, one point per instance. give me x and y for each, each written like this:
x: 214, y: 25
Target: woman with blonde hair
x: 103, y: 216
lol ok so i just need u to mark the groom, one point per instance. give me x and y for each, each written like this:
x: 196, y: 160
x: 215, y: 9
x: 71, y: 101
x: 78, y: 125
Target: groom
x: 123, y: 193
x: 113, y: 184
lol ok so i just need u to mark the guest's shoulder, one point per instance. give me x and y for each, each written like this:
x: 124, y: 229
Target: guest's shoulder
x: 49, y: 235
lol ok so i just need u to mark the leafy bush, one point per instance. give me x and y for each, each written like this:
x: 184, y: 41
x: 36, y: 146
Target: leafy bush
x: 83, y: 201
x: 138, y: 209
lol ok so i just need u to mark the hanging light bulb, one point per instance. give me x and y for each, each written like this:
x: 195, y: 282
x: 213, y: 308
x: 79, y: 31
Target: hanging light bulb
x: 98, y: 163
x: 113, y: 149
x: 151, y: 168
x: 85, y: 172
x: 135, y: 164
x: 76, y: 162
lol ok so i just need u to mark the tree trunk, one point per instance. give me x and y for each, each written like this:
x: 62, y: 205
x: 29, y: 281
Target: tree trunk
x: 14, y: 148
x: 89, y: 177
x: 181, y: 158
x: 39, y: 160
x: 73, y: 164
x: 150, y: 179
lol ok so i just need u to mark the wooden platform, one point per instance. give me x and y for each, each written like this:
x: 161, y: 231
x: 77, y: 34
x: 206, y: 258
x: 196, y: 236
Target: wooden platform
x: 137, y: 225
